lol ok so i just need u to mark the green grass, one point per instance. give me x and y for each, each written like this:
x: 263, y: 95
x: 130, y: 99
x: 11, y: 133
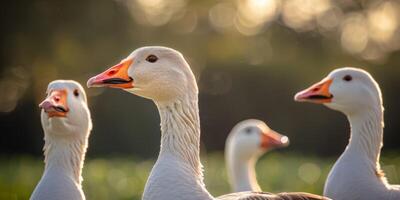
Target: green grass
x: 124, y: 178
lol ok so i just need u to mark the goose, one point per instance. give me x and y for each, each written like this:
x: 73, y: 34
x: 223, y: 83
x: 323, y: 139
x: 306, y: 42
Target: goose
x: 163, y: 75
x: 248, y: 140
x: 357, y: 173
x: 66, y: 124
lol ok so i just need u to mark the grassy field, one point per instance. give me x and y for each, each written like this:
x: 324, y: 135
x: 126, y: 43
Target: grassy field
x: 124, y: 178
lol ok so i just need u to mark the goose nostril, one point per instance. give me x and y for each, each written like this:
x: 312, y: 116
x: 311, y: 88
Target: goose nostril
x: 112, y: 72
x: 315, y: 89
x: 57, y: 99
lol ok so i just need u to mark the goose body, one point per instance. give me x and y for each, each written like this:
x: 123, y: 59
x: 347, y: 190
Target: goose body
x: 66, y: 123
x: 247, y: 141
x: 357, y: 173
x: 162, y: 75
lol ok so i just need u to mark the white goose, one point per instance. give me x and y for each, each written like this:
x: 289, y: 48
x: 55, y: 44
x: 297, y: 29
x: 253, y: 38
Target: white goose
x: 357, y: 173
x: 66, y: 123
x: 162, y: 75
x: 247, y: 141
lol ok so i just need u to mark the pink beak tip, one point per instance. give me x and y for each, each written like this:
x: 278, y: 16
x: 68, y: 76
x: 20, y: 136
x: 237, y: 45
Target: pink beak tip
x: 91, y: 82
x: 46, y: 104
x: 299, y: 96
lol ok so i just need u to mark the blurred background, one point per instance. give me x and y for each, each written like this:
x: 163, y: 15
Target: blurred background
x: 250, y: 57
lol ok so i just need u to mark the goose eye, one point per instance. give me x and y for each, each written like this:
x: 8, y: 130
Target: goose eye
x: 347, y: 78
x: 152, y: 58
x: 76, y: 93
x: 248, y: 130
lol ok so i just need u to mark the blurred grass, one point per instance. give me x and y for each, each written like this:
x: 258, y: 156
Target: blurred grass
x: 124, y: 177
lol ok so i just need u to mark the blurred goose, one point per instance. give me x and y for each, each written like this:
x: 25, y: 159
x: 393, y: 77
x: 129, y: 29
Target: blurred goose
x: 357, y: 173
x: 66, y: 123
x: 162, y: 75
x: 247, y: 141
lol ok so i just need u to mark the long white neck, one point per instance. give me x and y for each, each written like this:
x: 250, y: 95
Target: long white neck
x: 180, y: 132
x: 65, y: 155
x: 357, y: 173
x: 63, y: 168
x: 366, y: 136
x: 178, y: 172
x: 242, y: 174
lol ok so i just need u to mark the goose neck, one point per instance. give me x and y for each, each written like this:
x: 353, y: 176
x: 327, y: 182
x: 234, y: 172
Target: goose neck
x: 243, y: 175
x: 180, y: 131
x: 65, y: 156
x: 367, y: 134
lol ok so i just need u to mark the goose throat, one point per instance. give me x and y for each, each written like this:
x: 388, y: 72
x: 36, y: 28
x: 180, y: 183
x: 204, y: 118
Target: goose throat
x: 67, y: 156
x: 180, y: 131
x: 367, y: 133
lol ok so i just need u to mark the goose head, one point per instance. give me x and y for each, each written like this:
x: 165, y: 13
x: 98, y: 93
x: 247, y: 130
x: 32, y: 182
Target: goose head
x: 251, y: 138
x: 157, y: 73
x: 348, y: 90
x: 64, y: 110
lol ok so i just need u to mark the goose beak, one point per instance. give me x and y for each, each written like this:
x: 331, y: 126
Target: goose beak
x: 115, y: 77
x: 273, y: 139
x: 317, y: 93
x: 55, y: 105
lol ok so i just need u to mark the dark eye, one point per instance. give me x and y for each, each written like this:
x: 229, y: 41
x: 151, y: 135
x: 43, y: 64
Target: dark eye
x: 347, y: 78
x: 152, y: 58
x: 248, y: 130
x: 76, y: 93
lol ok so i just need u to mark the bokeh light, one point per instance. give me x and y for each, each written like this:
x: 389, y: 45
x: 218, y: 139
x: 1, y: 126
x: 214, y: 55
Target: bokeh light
x: 254, y: 14
x: 300, y: 14
x: 330, y: 19
x: 222, y: 15
x: 368, y: 31
x: 354, y: 36
x: 13, y: 86
x: 383, y: 21
x: 154, y: 12
x: 309, y: 172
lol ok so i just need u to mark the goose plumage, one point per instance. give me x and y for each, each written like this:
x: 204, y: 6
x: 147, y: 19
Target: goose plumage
x: 248, y: 140
x: 357, y: 173
x: 163, y: 75
x: 66, y: 124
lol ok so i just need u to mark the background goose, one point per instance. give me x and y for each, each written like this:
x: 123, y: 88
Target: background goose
x: 66, y: 123
x: 357, y: 173
x: 247, y: 141
x: 162, y: 75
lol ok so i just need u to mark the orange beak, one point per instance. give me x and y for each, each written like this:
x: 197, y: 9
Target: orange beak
x: 115, y: 77
x: 318, y: 93
x: 55, y: 105
x: 273, y: 139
